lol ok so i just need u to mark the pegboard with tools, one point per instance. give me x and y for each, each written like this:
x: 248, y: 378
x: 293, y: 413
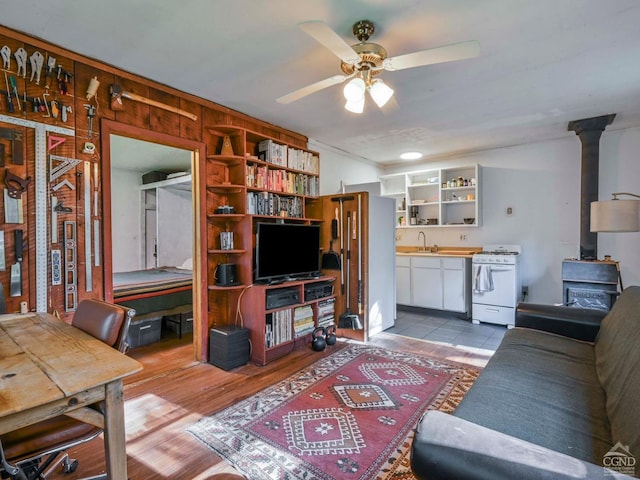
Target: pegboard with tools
x: 45, y: 177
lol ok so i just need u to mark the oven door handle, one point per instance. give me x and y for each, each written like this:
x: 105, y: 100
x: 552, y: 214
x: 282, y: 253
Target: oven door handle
x: 501, y: 269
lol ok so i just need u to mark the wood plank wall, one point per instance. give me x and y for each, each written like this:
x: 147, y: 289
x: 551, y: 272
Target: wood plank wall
x: 134, y: 114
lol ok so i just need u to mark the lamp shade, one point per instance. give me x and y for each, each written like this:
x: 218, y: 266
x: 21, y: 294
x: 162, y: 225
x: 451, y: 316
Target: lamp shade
x: 355, y: 106
x: 354, y: 90
x: 615, y: 216
x: 380, y: 92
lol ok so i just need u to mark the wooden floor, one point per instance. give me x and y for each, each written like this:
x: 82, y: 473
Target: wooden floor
x: 173, y: 391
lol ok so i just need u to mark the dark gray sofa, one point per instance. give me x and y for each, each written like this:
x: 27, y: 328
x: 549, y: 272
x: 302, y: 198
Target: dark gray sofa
x: 559, y: 399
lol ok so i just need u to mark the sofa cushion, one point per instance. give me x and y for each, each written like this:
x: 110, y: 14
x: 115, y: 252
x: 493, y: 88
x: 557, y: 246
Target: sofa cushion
x: 618, y: 364
x: 542, y: 388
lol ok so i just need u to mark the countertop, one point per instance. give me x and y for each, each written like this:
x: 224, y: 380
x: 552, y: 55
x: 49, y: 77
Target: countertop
x: 443, y: 251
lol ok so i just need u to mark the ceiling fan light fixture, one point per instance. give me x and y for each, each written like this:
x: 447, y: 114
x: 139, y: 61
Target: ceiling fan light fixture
x: 355, y: 106
x: 354, y: 90
x: 380, y: 92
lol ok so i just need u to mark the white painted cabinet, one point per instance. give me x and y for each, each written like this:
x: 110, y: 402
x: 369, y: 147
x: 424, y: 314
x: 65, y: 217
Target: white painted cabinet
x: 403, y: 280
x: 455, y: 293
x: 447, y: 197
x: 426, y: 282
x: 438, y: 282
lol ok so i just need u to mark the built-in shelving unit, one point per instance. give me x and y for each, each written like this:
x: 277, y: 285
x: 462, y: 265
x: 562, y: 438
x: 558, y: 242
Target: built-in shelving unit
x: 447, y: 197
x: 250, y: 177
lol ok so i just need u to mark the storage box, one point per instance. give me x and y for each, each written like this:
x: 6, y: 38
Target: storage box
x: 144, y: 330
x: 154, y: 176
x: 228, y: 346
x: 179, y: 323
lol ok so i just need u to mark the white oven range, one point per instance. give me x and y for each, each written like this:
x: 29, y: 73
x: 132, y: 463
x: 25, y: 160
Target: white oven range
x: 496, y: 284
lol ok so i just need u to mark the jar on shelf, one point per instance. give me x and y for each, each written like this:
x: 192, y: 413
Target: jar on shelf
x: 460, y: 182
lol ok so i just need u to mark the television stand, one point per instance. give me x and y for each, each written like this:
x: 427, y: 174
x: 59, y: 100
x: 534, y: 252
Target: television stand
x: 276, y: 331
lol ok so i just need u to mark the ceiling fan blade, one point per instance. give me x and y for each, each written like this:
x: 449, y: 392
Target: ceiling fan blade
x: 448, y: 53
x: 323, y: 34
x: 313, y: 88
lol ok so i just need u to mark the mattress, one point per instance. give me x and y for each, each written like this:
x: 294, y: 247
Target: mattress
x: 151, y: 281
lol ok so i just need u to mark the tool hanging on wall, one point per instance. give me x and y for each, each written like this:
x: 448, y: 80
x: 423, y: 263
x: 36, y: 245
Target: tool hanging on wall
x: 92, y: 89
x: 3, y: 265
x: 117, y: 94
x: 15, y: 184
x: 87, y: 228
x: 63, y: 80
x: 63, y: 167
x: 53, y: 141
x: 56, y: 208
x: 51, y: 65
x: 349, y: 319
x: 13, y: 208
x: 91, y: 112
x: 341, y: 235
x: 15, y: 136
x: 16, y: 268
x: 10, y: 107
x: 37, y: 61
x: 70, y: 267
x: 54, y: 220
x: 56, y: 267
x: 14, y: 87
x: 21, y: 59
x: 96, y: 242
x: 5, y: 52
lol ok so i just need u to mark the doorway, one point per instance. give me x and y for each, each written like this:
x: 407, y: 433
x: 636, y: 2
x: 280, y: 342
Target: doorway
x: 151, y: 182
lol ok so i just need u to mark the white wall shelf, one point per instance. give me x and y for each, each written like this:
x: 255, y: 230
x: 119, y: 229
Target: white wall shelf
x: 446, y: 197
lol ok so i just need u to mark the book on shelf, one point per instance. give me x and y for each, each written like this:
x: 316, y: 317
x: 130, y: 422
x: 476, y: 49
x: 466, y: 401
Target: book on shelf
x: 302, y: 160
x: 278, y: 328
x: 267, y: 203
x: 272, y: 152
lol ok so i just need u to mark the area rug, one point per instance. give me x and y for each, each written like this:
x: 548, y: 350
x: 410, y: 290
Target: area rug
x: 350, y: 415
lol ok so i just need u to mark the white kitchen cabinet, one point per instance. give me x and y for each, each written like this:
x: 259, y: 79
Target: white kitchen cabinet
x: 426, y: 282
x: 438, y: 282
x: 456, y: 292
x: 403, y: 280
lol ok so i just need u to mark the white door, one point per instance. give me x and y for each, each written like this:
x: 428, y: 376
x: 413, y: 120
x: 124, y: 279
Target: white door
x: 381, y: 263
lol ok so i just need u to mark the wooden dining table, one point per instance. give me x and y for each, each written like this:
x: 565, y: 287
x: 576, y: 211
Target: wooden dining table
x: 50, y: 368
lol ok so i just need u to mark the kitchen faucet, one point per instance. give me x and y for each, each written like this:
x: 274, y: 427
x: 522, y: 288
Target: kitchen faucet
x: 424, y: 240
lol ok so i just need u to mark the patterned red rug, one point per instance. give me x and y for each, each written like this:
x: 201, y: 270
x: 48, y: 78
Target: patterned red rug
x: 348, y: 416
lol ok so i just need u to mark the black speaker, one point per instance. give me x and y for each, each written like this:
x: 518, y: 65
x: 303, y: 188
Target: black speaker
x: 228, y: 346
x: 226, y: 274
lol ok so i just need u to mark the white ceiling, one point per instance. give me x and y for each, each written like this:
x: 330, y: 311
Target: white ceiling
x: 542, y: 63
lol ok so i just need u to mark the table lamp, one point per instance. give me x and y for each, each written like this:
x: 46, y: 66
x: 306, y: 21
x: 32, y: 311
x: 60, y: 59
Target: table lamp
x: 616, y: 215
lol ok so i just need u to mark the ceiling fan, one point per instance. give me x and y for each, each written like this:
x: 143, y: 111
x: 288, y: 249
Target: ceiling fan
x: 361, y: 62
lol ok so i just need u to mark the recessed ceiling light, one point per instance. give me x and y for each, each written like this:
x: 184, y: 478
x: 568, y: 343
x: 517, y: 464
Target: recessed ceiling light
x: 411, y: 155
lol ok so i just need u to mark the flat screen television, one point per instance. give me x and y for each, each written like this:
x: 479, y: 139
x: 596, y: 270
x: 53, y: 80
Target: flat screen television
x: 286, y: 251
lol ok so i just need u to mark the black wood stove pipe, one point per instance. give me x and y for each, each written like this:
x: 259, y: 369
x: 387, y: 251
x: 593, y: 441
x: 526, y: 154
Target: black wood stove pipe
x: 589, y: 131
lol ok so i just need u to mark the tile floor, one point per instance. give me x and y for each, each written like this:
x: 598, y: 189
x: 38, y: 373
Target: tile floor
x: 446, y: 328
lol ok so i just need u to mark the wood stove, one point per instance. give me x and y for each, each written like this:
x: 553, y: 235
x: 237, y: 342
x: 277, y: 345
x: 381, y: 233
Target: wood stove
x: 590, y: 284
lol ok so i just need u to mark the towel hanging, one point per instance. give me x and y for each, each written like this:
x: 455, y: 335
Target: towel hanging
x: 482, y: 279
